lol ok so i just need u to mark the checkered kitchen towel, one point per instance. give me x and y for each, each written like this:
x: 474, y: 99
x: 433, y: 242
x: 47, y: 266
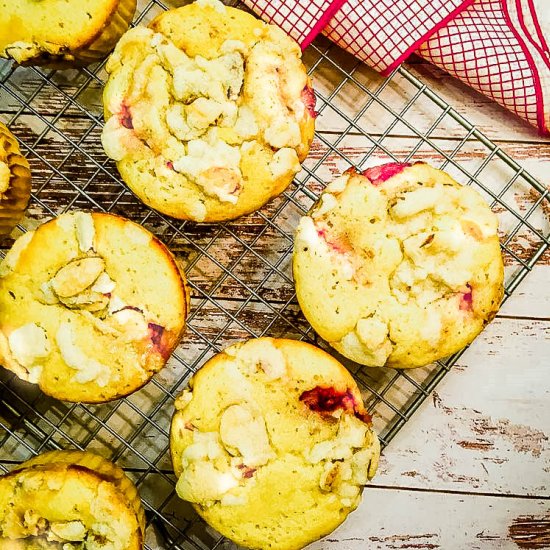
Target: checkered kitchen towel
x: 499, y: 47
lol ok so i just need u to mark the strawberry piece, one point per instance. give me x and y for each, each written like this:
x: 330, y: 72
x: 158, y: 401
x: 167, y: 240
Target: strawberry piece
x: 156, y: 334
x: 125, y: 117
x: 247, y: 471
x: 326, y: 400
x: 308, y: 99
x: 466, y: 300
x: 338, y: 243
x: 382, y: 173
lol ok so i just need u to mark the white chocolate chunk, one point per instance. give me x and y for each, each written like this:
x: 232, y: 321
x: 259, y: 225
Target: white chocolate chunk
x: 372, y: 332
x: 202, y: 482
x: 234, y: 46
x: 267, y: 357
x: 205, y: 445
x: 88, y: 369
x: 285, y: 161
x: 355, y: 347
x: 245, y: 434
x: 216, y: 4
x: 233, y: 500
x: 339, y: 184
x: 34, y: 374
x: 203, y: 112
x: 328, y: 202
x: 351, y: 432
x: 118, y: 141
x: 28, y: 344
x: 416, y: 201
x: 430, y: 330
x: 245, y: 124
x: 284, y: 133
x: 215, y: 166
x: 69, y: 530
x: 183, y: 399
x: 131, y: 323
x: 104, y: 284
x: 85, y: 231
x: 77, y: 276
x: 351, y: 435
x: 116, y: 304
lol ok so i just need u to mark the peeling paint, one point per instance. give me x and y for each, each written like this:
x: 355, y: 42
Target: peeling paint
x: 477, y: 445
x: 523, y: 438
x: 531, y: 531
x: 407, y: 541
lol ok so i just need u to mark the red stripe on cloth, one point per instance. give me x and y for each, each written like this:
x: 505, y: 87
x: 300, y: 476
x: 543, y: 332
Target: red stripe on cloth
x: 335, y: 5
x: 536, y: 77
x: 543, y: 46
x: 413, y: 47
x: 527, y: 32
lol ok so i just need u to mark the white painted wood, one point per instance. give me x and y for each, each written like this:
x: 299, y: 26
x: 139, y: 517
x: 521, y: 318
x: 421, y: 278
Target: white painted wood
x: 399, y: 519
x: 531, y: 298
x: 486, y: 427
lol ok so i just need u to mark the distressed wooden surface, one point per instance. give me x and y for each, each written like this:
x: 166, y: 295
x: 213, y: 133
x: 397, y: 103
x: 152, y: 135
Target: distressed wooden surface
x: 472, y: 467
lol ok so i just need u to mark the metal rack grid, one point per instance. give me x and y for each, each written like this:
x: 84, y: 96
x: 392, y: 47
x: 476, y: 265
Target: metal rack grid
x: 239, y: 272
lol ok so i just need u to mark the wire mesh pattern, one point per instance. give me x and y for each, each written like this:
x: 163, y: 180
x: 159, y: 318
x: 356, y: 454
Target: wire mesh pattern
x: 239, y: 272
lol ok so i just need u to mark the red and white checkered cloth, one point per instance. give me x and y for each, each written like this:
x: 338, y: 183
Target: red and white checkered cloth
x: 499, y: 47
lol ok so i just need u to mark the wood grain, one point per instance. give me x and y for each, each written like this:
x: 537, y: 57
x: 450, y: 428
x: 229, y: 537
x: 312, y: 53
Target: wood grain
x: 397, y: 519
x: 493, y: 439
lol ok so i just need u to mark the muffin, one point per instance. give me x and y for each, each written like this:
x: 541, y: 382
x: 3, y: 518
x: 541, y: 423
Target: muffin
x: 52, y: 33
x: 69, y: 500
x: 271, y: 443
x: 91, y: 306
x: 209, y: 112
x: 15, y: 181
x: 399, y: 265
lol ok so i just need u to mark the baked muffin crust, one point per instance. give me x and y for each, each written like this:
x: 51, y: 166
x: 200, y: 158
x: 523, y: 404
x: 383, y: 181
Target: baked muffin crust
x: 69, y: 500
x: 50, y: 32
x: 398, y: 266
x: 207, y: 129
x: 91, y: 306
x: 15, y: 181
x: 272, y: 443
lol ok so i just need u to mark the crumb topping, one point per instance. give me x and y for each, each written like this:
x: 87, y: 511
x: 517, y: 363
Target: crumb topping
x: 198, y: 117
x: 222, y: 466
x: 406, y: 240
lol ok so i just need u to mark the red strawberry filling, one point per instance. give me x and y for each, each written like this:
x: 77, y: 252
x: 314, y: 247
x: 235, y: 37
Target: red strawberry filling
x: 326, y: 400
x: 308, y: 99
x: 337, y: 243
x: 247, y: 471
x: 380, y: 174
x: 156, y: 334
x: 125, y: 117
x: 466, y: 299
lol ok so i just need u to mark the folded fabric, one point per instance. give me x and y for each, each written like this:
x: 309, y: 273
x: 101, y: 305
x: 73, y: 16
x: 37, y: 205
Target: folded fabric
x: 498, y: 47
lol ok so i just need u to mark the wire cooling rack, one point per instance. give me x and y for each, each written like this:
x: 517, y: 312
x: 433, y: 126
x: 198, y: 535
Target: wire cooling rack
x: 239, y: 272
